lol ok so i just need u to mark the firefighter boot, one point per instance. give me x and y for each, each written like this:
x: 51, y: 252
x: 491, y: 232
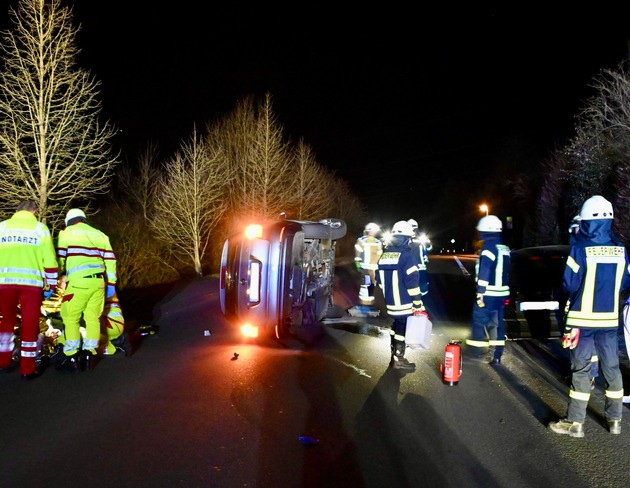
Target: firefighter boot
x: 69, y: 363
x: 87, y: 360
x: 565, y: 426
x: 614, y: 426
x: 398, y: 360
x: 123, y: 344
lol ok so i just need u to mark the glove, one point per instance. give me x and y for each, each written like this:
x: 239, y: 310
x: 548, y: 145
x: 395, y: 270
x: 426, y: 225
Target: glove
x: 111, y: 291
x: 418, y: 309
x: 480, y: 301
x: 570, y: 338
x: 48, y: 293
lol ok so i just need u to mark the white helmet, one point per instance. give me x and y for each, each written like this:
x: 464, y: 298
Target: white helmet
x: 413, y: 223
x: 596, y: 207
x: 575, y: 224
x: 73, y: 213
x: 402, y: 228
x: 490, y: 223
x: 371, y: 227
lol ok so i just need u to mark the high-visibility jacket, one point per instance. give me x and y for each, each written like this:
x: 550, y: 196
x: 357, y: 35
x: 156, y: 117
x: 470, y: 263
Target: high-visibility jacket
x: 27, y: 253
x: 398, y: 277
x: 597, y: 271
x: 85, y: 251
x: 367, y: 251
x: 492, y: 270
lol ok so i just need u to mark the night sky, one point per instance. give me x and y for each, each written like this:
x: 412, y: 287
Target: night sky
x: 398, y: 103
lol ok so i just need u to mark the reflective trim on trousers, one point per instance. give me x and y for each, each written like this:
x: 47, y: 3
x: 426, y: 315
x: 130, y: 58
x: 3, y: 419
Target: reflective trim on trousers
x: 28, y: 349
x: 615, y: 395
x: 605, y: 344
x: 71, y: 347
x: 470, y: 342
x: 579, y: 395
x: 6, y: 341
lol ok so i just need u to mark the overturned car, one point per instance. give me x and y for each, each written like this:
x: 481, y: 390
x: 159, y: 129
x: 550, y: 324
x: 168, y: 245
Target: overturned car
x: 276, y: 278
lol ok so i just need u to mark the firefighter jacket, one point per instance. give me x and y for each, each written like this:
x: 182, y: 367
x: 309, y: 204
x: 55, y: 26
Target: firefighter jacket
x: 85, y: 251
x: 492, y: 271
x: 421, y: 254
x: 27, y: 253
x: 367, y: 250
x: 597, y: 271
x: 399, y: 279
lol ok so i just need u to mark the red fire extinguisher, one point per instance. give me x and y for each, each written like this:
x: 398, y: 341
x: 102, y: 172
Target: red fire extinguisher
x: 453, y: 361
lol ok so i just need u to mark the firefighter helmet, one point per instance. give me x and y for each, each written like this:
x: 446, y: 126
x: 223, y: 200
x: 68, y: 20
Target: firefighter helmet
x: 402, y: 228
x: 73, y: 213
x: 490, y: 223
x: 596, y: 207
x: 371, y: 228
x: 575, y: 224
x: 413, y: 223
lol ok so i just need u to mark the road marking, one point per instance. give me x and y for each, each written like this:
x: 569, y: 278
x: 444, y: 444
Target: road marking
x: 352, y: 366
x: 461, y: 266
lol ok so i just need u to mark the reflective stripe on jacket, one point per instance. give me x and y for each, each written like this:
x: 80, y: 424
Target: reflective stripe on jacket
x: 399, y: 279
x: 367, y: 251
x: 85, y: 251
x: 492, y: 271
x: 597, y: 271
x: 27, y: 254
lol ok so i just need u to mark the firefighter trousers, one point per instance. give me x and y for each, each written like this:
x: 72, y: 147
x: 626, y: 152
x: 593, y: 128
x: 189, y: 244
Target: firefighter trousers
x: 488, y: 327
x: 606, y: 345
x: 397, y: 333
x: 84, y: 298
x: 29, y: 299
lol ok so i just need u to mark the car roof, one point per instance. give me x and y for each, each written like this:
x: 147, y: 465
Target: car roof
x: 553, y: 250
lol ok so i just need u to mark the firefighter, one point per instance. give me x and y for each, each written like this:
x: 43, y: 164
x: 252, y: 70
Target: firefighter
x: 596, y: 273
x: 419, y: 247
x: 86, y: 256
x: 28, y: 273
x: 399, y: 279
x: 493, y: 289
x: 574, y: 235
x: 367, y: 250
x: 113, y: 333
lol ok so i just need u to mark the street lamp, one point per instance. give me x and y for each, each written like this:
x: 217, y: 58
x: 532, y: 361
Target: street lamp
x: 484, y: 208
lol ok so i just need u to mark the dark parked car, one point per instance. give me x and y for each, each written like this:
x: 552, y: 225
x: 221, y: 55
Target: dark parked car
x: 537, y: 299
x: 277, y: 277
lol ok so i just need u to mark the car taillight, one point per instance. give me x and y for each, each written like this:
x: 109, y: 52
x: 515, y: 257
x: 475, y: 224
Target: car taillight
x: 507, y: 302
x: 249, y: 330
x: 254, y: 231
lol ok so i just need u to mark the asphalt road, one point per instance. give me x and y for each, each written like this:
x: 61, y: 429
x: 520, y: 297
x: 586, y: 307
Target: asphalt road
x: 195, y: 406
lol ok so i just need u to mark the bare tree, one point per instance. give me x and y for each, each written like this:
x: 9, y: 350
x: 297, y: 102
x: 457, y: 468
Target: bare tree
x: 138, y: 186
x: 53, y: 149
x: 270, y: 161
x: 142, y: 259
x: 310, y: 195
x: 191, y: 200
x: 256, y: 151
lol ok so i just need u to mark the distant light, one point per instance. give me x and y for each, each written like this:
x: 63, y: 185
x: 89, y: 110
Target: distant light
x: 452, y: 241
